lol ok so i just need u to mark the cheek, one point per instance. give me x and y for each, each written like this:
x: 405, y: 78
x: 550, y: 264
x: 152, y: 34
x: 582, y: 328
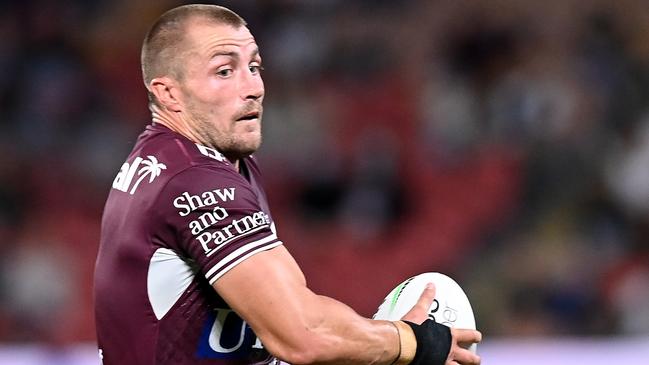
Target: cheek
x: 219, y: 113
x: 214, y: 94
x: 215, y: 103
x: 221, y: 120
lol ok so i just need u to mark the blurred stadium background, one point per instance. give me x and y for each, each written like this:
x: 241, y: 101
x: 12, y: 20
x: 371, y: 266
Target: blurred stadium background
x: 505, y: 143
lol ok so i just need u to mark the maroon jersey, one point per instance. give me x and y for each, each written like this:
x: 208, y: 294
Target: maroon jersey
x: 177, y: 218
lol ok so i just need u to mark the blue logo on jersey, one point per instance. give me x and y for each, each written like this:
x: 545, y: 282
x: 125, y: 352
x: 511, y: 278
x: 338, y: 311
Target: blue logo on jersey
x: 225, y: 336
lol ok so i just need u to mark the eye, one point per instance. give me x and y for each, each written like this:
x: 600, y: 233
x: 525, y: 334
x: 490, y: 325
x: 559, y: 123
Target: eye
x: 255, y: 69
x: 224, y: 72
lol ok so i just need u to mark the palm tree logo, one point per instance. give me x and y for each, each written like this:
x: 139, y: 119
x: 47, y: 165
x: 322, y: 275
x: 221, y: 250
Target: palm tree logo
x: 151, y: 168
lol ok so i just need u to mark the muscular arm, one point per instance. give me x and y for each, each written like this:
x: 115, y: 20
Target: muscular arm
x: 268, y: 290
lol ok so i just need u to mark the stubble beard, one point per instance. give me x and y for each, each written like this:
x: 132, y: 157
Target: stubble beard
x: 232, y: 145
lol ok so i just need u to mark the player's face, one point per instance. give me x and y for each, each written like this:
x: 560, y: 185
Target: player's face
x: 222, y: 88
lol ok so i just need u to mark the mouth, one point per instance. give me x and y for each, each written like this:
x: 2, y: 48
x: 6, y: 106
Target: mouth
x: 249, y: 116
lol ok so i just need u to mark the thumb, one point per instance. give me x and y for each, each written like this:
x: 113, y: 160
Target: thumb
x: 419, y: 311
x: 427, y: 296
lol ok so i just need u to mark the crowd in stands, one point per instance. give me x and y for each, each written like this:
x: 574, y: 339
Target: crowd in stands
x: 504, y: 143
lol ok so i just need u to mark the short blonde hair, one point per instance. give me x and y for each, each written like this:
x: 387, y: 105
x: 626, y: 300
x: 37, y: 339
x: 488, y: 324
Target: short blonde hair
x: 162, y: 47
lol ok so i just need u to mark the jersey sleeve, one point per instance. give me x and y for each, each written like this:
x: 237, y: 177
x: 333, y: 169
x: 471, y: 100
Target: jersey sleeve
x: 216, y: 218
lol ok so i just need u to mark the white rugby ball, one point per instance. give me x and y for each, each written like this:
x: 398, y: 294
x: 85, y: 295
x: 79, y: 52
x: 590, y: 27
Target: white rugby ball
x: 451, y: 306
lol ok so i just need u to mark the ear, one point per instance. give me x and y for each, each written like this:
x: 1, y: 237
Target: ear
x: 167, y: 93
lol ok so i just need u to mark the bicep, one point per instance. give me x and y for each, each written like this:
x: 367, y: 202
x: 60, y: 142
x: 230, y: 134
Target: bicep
x: 268, y: 290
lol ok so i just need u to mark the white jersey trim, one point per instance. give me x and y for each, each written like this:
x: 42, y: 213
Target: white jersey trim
x: 222, y: 244
x: 242, y: 258
x: 237, y: 253
x: 168, y: 278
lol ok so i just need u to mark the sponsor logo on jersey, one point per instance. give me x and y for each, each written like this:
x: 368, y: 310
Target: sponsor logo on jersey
x: 207, y: 219
x: 210, y: 152
x: 187, y: 203
x: 211, y: 241
x: 150, y: 167
x: 227, y: 336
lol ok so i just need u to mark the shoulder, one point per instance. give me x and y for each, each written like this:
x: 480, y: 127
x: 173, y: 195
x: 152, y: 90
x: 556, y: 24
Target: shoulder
x: 162, y: 158
x: 179, y: 152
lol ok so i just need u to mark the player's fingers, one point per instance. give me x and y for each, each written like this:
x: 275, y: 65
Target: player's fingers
x: 466, y: 336
x: 427, y: 296
x: 419, y: 311
x: 464, y: 357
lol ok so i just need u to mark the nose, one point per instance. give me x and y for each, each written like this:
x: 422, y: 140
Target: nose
x: 252, y: 87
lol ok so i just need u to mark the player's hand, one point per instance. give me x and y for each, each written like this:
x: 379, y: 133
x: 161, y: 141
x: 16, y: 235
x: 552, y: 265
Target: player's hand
x: 461, y: 340
x: 419, y: 312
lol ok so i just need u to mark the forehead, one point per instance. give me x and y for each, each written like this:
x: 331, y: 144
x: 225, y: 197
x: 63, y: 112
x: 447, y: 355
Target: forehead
x: 205, y: 36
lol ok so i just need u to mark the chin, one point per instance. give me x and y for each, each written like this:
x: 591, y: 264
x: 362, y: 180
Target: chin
x: 243, y: 149
x: 252, y: 141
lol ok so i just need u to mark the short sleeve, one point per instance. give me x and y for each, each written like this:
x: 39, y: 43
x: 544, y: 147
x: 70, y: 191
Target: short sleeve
x: 217, y: 219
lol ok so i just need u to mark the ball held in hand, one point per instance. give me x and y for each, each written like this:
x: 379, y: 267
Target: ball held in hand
x: 451, y: 306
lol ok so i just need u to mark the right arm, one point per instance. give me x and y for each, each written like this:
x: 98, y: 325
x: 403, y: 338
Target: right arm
x: 263, y: 284
x: 269, y: 291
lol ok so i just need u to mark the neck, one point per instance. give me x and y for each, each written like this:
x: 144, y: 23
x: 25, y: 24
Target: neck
x: 180, y: 125
x: 175, y: 122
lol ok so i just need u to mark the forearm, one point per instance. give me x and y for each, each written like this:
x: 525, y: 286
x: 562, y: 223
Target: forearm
x: 334, y: 333
x: 297, y: 325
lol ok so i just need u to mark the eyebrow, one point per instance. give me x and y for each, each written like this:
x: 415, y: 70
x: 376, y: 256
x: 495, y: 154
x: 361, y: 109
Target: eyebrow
x: 224, y: 53
x: 234, y: 55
